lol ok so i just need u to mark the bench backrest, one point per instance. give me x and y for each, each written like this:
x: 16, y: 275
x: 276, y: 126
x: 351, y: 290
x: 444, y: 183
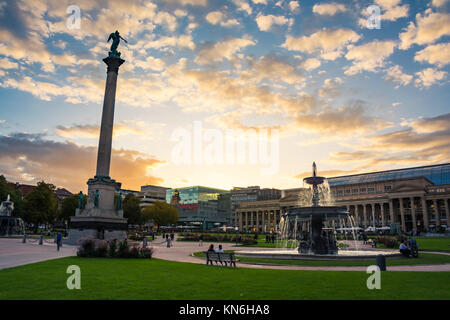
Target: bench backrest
x: 219, y: 256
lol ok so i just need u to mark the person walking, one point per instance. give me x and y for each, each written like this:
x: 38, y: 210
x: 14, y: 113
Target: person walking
x: 58, y: 240
x: 200, y: 241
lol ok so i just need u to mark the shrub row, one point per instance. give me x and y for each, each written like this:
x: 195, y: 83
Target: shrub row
x: 112, y: 249
x: 389, y: 242
x: 219, y: 238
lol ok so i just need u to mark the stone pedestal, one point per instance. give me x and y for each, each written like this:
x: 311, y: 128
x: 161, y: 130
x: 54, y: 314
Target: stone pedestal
x: 100, y: 219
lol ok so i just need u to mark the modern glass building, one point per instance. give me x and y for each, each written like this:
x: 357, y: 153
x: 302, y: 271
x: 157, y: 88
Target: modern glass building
x: 200, y: 206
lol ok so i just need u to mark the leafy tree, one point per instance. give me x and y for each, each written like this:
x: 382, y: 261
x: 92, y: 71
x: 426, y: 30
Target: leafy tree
x: 16, y: 197
x: 68, y: 207
x: 131, y: 209
x: 41, y: 204
x: 161, y: 213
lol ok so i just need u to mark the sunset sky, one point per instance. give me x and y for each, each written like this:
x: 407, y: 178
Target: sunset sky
x: 351, y: 98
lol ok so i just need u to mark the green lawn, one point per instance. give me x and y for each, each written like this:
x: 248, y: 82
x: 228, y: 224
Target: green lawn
x: 159, y: 279
x: 433, y: 244
x: 424, y: 258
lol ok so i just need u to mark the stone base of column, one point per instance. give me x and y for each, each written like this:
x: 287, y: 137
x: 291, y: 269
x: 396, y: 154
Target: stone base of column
x: 102, y: 220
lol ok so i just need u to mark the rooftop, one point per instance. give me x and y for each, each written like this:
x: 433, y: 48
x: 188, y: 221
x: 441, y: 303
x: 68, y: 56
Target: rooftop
x: 438, y: 174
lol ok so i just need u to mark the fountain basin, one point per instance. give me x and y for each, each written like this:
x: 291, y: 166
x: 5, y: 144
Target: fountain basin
x: 292, y: 254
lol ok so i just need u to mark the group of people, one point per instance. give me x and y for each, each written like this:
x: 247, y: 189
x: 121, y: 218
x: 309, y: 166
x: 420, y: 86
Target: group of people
x: 409, y: 248
x: 270, y: 238
x: 217, y: 250
x: 168, y: 238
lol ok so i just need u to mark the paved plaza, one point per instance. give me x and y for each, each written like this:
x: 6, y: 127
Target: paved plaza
x: 15, y: 253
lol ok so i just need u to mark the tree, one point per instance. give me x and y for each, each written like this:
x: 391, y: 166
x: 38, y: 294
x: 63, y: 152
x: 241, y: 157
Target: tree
x: 131, y: 209
x: 161, y: 213
x: 41, y: 204
x: 68, y: 207
x: 16, y: 197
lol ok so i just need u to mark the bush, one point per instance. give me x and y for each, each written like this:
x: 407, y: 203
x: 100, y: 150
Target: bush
x: 134, y: 252
x: 124, y: 249
x: 112, y: 249
x: 388, y: 242
x: 102, y: 249
x: 146, y: 253
x: 87, y: 248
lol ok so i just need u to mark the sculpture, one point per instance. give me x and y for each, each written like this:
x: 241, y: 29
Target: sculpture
x: 119, y: 201
x: 80, y: 200
x: 6, y: 207
x: 115, y: 36
x: 96, y: 198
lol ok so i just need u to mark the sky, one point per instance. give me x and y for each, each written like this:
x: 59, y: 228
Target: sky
x: 223, y: 93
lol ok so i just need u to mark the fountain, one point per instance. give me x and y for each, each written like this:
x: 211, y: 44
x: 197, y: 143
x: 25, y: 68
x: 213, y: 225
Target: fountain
x: 312, y: 226
x: 9, y: 225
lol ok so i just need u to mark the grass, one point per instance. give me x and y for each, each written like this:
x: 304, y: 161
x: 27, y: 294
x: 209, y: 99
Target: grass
x: 159, y: 279
x: 434, y: 244
x: 424, y: 258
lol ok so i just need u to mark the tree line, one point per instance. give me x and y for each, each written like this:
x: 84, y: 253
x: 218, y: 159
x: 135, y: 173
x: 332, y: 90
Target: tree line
x: 41, y: 206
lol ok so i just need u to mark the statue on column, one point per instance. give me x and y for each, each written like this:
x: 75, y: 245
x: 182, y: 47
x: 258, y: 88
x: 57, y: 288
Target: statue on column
x: 80, y: 200
x: 119, y: 201
x: 115, y: 36
x: 96, y: 198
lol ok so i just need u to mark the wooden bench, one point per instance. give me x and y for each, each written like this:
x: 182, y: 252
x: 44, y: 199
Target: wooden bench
x: 227, y: 258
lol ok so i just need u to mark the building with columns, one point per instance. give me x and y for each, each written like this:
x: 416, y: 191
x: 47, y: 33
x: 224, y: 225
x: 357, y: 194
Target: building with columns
x: 415, y: 198
x: 264, y: 215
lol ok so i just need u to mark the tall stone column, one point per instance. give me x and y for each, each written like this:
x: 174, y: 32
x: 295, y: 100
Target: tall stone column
x: 365, y: 215
x: 426, y: 220
x: 436, y: 211
x: 257, y: 221
x: 106, y: 129
x: 391, y: 211
x: 402, y: 215
x: 447, y: 212
x: 246, y: 221
x: 101, y: 218
x: 373, y: 214
x: 241, y: 218
x: 413, y: 214
x: 383, y: 220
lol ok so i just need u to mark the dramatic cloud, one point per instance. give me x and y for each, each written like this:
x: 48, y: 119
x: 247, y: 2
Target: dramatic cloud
x: 323, y: 42
x: 311, y: 64
x: 217, y: 17
x: 265, y: 23
x: 429, y: 76
x: 329, y: 8
x: 438, y: 54
x: 217, y: 52
x: 350, y: 119
x: 430, y: 26
x: 421, y: 141
x: 26, y: 157
x: 396, y: 74
x: 369, y: 56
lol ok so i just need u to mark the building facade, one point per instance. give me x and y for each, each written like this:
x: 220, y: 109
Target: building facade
x: 241, y: 195
x: 265, y: 215
x: 201, y: 207
x: 417, y: 199
x: 149, y: 194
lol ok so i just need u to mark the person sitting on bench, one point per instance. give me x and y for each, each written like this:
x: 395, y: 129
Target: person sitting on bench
x: 405, y: 249
x: 219, y: 249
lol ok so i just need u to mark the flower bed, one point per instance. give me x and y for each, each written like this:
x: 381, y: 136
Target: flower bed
x: 91, y: 248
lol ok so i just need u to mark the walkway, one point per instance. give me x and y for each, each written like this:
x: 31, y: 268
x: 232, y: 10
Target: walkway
x: 182, y: 251
x: 15, y: 253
